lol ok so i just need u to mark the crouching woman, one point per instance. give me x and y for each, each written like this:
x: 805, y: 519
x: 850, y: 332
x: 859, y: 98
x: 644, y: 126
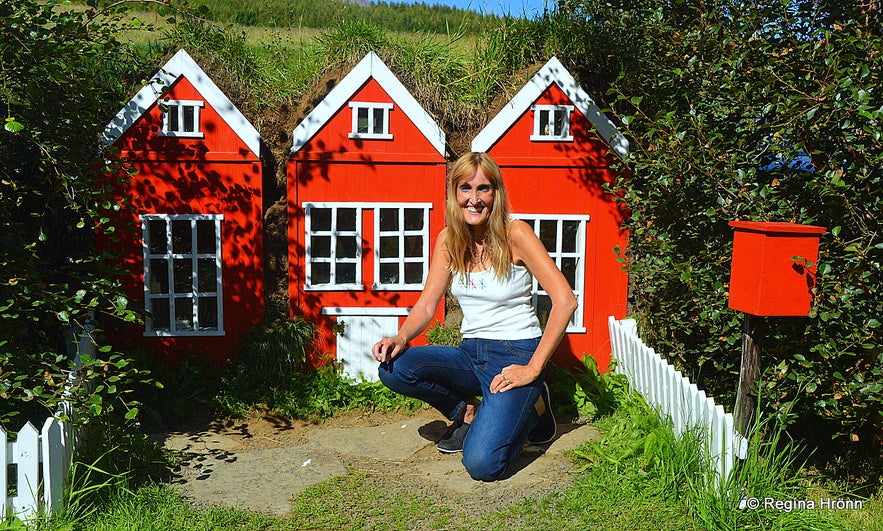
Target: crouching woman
x: 488, y: 260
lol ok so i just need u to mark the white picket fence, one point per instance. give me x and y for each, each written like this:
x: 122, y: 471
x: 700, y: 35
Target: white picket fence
x: 674, y: 396
x: 41, y: 462
x: 34, y: 467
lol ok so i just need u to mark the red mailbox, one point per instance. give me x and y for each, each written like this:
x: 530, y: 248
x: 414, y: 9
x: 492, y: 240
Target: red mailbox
x: 769, y: 274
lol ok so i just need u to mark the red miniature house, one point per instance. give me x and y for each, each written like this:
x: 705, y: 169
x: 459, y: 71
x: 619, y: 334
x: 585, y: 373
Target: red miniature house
x: 366, y: 192
x: 773, y: 268
x: 195, y: 258
x: 555, y: 148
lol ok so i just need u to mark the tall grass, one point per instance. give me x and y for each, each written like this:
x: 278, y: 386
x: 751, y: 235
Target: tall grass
x: 454, y: 74
x: 89, y: 486
x: 253, y: 76
x: 398, y: 16
x: 774, y: 470
x: 641, y: 460
x: 274, y: 372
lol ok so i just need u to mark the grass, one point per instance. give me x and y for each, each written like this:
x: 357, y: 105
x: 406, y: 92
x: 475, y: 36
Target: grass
x: 351, y: 502
x: 638, y: 475
x: 161, y: 508
x: 263, y: 68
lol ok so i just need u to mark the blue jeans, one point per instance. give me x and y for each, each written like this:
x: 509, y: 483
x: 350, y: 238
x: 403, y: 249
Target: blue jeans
x: 445, y: 377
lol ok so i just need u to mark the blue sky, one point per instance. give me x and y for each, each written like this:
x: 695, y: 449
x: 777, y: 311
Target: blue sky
x: 499, y: 7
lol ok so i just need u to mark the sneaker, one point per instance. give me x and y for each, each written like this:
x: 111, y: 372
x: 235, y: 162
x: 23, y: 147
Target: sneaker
x: 546, y: 427
x: 453, y: 443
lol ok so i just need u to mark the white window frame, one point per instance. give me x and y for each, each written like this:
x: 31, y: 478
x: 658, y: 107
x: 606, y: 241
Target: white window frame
x: 176, y: 108
x: 334, y: 234
x: 370, y: 107
x: 558, y: 254
x: 402, y: 234
x: 553, y: 110
x: 170, y: 257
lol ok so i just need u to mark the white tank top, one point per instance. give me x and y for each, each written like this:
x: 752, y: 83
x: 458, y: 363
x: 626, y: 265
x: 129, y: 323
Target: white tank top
x: 494, y: 309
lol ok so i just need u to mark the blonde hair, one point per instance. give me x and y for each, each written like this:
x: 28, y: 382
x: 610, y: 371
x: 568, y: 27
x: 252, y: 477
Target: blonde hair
x: 460, y: 239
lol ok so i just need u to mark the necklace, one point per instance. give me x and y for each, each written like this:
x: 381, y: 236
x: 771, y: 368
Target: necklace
x: 478, y: 254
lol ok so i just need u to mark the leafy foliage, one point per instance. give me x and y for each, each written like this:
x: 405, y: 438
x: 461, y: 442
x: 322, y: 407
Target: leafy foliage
x: 272, y: 372
x: 765, y: 112
x: 274, y: 353
x: 60, y: 73
x: 641, y: 463
x: 589, y: 393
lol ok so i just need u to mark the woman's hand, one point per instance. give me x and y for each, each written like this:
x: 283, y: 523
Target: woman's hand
x: 513, y: 376
x: 387, y: 348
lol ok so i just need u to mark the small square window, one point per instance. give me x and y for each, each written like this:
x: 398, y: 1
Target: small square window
x: 371, y: 120
x: 552, y: 122
x: 181, y: 118
x: 402, y: 253
x: 333, y: 238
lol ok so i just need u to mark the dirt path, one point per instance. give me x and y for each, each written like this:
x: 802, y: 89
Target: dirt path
x: 259, y: 464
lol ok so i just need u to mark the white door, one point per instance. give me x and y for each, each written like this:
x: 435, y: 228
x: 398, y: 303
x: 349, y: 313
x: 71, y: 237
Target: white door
x: 354, y: 343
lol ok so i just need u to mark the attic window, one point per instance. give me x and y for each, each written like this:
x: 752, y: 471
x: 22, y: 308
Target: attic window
x: 551, y: 122
x: 371, y: 120
x: 180, y: 118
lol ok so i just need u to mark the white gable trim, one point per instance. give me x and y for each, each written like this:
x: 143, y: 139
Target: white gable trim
x: 552, y: 72
x: 181, y: 64
x: 370, y: 66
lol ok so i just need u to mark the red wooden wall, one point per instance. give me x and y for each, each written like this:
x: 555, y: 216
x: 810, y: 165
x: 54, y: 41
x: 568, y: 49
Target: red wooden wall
x: 567, y: 178
x: 216, y: 175
x: 331, y: 167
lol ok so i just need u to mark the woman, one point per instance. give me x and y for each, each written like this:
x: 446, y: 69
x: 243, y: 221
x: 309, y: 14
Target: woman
x: 487, y: 260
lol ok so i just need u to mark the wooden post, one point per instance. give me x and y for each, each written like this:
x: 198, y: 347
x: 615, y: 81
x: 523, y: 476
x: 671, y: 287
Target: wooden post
x: 749, y: 376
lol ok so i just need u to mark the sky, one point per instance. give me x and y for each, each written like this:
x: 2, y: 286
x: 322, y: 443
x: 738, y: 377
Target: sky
x: 499, y: 7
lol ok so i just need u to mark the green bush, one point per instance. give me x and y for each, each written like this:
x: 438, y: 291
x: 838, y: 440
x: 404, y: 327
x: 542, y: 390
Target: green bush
x: 271, y: 355
x: 273, y: 372
x: 59, y: 80
x: 750, y: 113
x: 585, y: 393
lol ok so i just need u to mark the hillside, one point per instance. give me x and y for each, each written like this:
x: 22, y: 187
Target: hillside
x: 319, y: 14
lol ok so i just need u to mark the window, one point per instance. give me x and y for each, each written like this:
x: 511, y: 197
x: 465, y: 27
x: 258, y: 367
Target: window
x: 565, y: 240
x: 182, y: 274
x: 180, y: 118
x: 371, y: 120
x: 551, y: 122
x: 333, y: 246
x: 401, y: 254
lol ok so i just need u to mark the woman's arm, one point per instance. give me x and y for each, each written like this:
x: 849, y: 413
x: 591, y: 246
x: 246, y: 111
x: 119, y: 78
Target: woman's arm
x: 529, y: 251
x: 437, y: 282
